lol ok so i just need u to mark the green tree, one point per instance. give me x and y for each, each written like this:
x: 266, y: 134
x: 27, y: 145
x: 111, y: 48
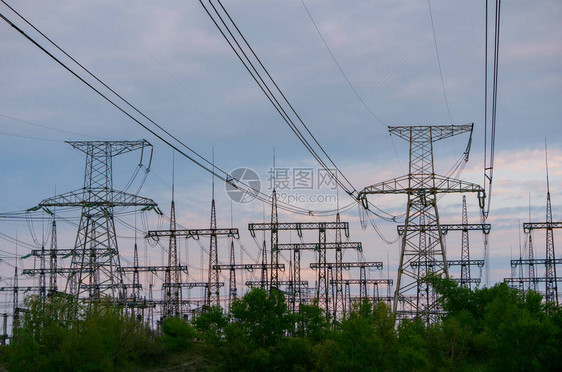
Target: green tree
x: 262, y: 316
x: 177, y: 334
x: 60, y: 334
x: 311, y: 323
x: 412, y: 353
x: 211, y: 325
x: 499, y: 328
x: 365, y: 340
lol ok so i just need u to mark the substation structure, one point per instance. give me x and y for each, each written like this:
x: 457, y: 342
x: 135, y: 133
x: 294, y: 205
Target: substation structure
x: 328, y: 291
x: 91, y: 270
x: 538, y: 273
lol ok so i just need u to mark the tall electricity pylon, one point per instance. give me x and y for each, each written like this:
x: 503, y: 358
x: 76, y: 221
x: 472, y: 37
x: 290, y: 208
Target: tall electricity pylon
x: 232, y: 290
x: 172, y: 293
x: 53, y: 259
x: 213, y: 294
x: 95, y: 266
x: 422, y: 251
x: 339, y: 308
x: 465, y: 248
x: 274, y: 241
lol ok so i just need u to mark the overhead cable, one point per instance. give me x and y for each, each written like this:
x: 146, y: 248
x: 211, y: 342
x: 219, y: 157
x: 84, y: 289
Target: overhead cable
x: 489, y: 147
x: 196, y: 158
x: 278, y: 99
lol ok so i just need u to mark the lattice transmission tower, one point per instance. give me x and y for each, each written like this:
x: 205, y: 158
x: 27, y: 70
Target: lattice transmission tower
x: 422, y: 250
x: 95, y: 270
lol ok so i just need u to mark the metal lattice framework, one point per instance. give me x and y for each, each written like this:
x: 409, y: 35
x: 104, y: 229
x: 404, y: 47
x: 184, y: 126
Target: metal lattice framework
x: 322, y: 283
x: 274, y: 283
x: 212, y: 285
x: 422, y: 245
x: 247, y: 266
x: 95, y: 264
x: 465, y: 262
x: 339, y: 306
x: 172, y: 295
x: 549, y: 262
x: 213, y: 294
x: 232, y: 289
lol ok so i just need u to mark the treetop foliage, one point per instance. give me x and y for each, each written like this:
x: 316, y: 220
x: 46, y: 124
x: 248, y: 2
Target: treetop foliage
x: 488, y: 329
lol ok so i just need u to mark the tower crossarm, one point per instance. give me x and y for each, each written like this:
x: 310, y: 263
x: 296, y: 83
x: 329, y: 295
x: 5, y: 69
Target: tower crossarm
x: 485, y: 227
x: 535, y: 261
x: 421, y: 183
x: 528, y: 226
x: 471, y: 280
x: 530, y: 280
x: 182, y: 301
x: 367, y: 281
x: 256, y: 283
x: 315, y: 246
x: 189, y: 285
x: 348, y: 265
x: 193, y: 233
x: 110, y: 285
x: 249, y: 267
x: 436, y: 263
x: 22, y: 288
x: 152, y: 269
x: 47, y: 253
x: 137, y: 303
x: 65, y: 253
x: 479, y: 263
x: 97, y: 197
x: 59, y: 270
x: 117, y: 147
x: 429, y: 133
x: 298, y: 226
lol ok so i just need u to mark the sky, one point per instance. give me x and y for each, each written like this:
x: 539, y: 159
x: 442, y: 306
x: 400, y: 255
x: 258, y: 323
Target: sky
x: 169, y: 60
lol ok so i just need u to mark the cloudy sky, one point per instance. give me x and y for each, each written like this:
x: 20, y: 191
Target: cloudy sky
x: 169, y: 60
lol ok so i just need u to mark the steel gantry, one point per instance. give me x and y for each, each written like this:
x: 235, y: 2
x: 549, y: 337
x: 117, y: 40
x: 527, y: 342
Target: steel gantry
x: 550, y: 262
x: 296, y: 297
x: 339, y: 307
x: 321, y: 227
x: 338, y: 247
x: 465, y: 262
x: 550, y: 278
x: 362, y: 282
x: 213, y: 285
x: 232, y: 267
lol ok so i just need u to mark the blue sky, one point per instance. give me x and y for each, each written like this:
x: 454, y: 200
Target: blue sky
x: 169, y: 60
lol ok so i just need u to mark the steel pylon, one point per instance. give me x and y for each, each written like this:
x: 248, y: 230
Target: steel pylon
x: 422, y: 251
x: 95, y: 265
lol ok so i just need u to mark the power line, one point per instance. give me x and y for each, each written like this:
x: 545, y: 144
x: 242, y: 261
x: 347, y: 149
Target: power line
x: 46, y: 127
x: 242, y: 55
x: 197, y: 101
x: 489, y: 155
x: 224, y: 176
x: 364, y: 103
x: 30, y: 137
x: 268, y: 92
x: 439, y: 62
